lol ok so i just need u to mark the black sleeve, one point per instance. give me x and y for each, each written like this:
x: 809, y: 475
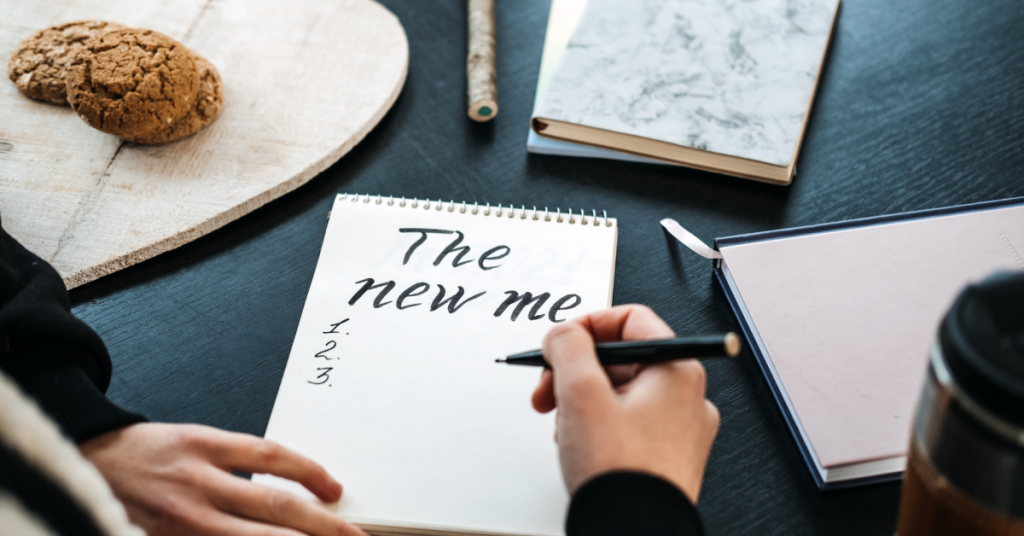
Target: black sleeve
x: 52, y: 355
x: 634, y: 504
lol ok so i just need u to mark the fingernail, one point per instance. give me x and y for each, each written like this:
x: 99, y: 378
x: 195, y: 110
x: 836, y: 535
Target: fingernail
x: 336, y: 488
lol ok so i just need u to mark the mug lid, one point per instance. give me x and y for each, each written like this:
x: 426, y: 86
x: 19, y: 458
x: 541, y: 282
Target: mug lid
x: 982, y: 340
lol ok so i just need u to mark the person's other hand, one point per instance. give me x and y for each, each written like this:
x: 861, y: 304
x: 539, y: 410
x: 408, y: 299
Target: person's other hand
x: 175, y: 479
x: 651, y: 418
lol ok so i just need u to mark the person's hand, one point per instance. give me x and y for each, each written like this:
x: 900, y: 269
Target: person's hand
x: 651, y: 418
x: 175, y: 479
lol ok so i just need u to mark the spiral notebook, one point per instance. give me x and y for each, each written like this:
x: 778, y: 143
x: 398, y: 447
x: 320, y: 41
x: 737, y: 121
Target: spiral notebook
x: 391, y: 383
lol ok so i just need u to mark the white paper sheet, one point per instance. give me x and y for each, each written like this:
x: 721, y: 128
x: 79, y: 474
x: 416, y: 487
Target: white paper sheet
x: 406, y: 407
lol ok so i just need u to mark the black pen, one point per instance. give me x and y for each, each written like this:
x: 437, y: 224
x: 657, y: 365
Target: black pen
x: 657, y: 351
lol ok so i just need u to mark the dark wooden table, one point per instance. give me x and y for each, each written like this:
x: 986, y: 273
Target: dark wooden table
x: 921, y: 106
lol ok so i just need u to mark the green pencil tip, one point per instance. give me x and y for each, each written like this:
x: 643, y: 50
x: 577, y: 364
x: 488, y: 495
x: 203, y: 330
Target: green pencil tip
x: 484, y: 111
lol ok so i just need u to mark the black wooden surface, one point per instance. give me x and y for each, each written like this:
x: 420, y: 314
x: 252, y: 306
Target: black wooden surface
x: 921, y: 106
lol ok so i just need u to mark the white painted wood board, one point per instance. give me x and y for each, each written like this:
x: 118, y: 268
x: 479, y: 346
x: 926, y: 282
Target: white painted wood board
x: 304, y: 81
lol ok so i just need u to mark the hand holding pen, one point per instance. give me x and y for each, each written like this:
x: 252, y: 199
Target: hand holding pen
x: 651, y: 418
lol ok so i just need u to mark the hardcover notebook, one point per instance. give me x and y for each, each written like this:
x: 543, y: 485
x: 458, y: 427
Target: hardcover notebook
x: 720, y: 86
x: 391, y: 382
x: 841, y: 318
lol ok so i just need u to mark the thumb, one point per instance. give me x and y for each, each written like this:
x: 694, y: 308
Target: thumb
x: 578, y: 376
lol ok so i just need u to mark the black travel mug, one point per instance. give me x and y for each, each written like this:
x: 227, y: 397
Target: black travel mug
x: 965, y: 473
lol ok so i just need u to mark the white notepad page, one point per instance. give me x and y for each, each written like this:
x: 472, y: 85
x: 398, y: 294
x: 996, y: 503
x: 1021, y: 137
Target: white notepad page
x: 413, y: 416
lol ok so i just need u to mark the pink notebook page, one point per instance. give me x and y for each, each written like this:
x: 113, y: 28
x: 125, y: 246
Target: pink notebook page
x: 848, y: 317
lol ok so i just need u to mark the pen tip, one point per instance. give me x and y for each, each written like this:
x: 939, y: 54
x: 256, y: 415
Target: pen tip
x: 732, y: 345
x: 499, y: 360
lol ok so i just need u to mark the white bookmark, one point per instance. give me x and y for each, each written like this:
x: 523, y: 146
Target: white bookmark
x: 689, y: 240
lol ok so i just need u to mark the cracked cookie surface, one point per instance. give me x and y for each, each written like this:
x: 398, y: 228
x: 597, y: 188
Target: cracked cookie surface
x: 207, y: 105
x: 132, y: 83
x: 39, y: 65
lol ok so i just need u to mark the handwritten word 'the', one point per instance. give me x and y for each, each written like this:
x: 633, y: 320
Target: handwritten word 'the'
x: 493, y: 254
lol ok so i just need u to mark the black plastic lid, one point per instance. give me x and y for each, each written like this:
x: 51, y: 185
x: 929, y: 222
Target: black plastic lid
x: 982, y: 339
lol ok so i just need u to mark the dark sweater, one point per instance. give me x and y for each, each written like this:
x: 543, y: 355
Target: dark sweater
x: 60, y: 362
x: 53, y: 356
x: 633, y: 504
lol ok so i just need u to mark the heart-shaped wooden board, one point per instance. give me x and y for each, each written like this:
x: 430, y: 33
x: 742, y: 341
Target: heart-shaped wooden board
x: 304, y: 81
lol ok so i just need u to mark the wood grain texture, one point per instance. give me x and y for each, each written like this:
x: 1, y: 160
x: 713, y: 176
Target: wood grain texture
x: 921, y: 106
x: 304, y: 81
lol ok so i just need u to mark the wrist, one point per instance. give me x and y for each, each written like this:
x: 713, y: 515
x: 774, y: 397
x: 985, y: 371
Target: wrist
x: 100, y: 443
x: 688, y: 482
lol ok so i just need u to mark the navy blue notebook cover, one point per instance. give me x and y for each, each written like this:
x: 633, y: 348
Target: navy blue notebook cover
x: 759, y: 353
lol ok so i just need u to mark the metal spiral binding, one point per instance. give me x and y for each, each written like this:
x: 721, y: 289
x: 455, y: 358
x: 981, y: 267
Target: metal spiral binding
x: 501, y: 211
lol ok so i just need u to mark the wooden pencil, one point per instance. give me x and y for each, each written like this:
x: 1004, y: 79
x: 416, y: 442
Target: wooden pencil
x: 481, y: 67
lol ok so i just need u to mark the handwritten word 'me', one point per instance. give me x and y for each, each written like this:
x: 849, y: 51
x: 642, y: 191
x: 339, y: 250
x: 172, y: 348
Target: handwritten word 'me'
x: 493, y: 254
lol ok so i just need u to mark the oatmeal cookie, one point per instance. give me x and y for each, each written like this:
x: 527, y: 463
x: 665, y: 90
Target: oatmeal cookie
x: 132, y: 83
x: 39, y: 65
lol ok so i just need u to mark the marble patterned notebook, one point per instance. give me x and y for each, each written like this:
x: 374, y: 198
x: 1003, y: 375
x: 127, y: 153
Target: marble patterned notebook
x: 562, y: 20
x: 720, y: 85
